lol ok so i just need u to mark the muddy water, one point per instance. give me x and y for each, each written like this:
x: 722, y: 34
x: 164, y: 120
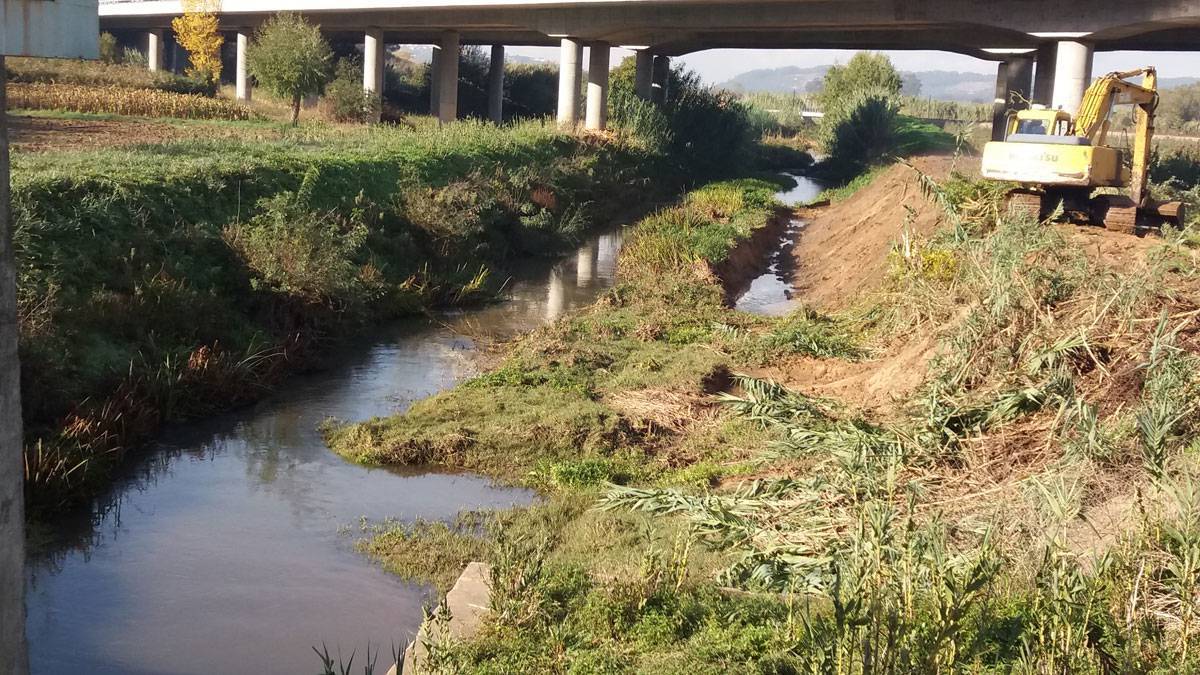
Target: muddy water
x: 771, y: 292
x: 228, y: 548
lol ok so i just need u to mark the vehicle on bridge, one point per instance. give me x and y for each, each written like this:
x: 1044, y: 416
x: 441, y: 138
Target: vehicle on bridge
x: 1060, y: 159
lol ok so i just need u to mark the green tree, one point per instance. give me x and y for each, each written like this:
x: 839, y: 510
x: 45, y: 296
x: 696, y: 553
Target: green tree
x: 290, y: 58
x: 866, y: 71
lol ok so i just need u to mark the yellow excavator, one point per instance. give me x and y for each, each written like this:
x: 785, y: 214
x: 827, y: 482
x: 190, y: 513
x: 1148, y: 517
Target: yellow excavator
x: 1062, y: 160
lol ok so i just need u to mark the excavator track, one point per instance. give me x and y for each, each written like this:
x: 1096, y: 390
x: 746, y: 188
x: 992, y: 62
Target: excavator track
x: 1117, y: 212
x: 1025, y: 203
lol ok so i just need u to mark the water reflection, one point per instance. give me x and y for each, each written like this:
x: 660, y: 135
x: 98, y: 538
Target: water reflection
x: 771, y: 292
x: 219, y: 549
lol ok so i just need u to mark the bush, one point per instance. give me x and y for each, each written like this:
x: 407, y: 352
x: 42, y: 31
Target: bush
x: 109, y: 49
x: 304, y: 254
x: 121, y: 101
x: 858, y: 132
x: 345, y: 99
x: 704, y: 133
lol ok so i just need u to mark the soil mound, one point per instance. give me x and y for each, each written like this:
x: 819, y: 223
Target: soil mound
x: 843, y: 250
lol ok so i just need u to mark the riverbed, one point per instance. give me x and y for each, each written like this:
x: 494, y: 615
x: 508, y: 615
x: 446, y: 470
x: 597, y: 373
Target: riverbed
x: 228, y: 545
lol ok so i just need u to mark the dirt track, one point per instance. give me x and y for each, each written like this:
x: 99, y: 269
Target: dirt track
x: 38, y: 134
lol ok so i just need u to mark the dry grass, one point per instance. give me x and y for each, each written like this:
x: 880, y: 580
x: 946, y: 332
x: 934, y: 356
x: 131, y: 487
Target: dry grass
x: 117, y: 100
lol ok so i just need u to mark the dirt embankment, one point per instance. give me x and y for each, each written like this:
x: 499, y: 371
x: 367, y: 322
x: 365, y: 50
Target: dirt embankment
x: 843, y: 251
x: 842, y: 254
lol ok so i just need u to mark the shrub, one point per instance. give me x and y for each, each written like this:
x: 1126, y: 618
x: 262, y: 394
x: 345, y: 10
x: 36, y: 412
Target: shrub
x: 134, y: 58
x: 705, y: 133
x: 345, y: 99
x: 858, y: 132
x: 109, y: 49
x: 290, y: 58
x: 120, y: 101
x: 305, y: 254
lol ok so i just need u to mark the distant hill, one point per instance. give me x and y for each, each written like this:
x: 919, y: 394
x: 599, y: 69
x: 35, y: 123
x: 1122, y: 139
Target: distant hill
x: 943, y: 85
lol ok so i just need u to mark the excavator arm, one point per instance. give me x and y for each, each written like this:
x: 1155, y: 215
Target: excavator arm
x: 1091, y: 121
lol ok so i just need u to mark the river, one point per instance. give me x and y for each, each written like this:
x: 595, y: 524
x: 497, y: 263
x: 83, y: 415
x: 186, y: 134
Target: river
x: 228, y: 545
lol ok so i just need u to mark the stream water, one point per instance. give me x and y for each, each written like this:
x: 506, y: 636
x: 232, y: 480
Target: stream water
x: 771, y: 292
x: 228, y: 546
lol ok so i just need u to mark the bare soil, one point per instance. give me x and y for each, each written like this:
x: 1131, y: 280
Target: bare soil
x: 39, y: 134
x: 843, y: 251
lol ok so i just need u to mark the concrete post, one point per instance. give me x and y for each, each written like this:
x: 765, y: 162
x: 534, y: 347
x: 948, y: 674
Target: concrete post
x: 1014, y: 78
x: 569, y: 65
x: 154, y: 49
x: 13, y: 656
x: 597, y: 88
x: 496, y: 85
x: 659, y: 77
x: 1073, y: 74
x: 1043, y: 77
x: 644, y: 62
x: 447, y: 75
x: 435, y: 63
x: 242, y: 79
x: 1020, y: 81
x: 1000, y: 102
x: 373, y: 55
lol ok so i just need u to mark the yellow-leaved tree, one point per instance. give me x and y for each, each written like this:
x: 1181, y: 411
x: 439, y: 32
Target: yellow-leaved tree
x: 197, y: 32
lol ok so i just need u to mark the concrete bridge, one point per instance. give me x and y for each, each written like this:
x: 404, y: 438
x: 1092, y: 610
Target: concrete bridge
x: 1059, y: 36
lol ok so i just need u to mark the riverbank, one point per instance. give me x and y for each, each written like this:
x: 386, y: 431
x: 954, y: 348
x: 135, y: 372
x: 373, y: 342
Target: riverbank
x: 161, y: 282
x: 983, y: 458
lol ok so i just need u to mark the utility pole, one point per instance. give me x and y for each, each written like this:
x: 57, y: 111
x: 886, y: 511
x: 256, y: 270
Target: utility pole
x: 13, y: 655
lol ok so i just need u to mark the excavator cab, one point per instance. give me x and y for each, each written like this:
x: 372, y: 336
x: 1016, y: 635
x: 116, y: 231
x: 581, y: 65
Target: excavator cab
x: 1038, y: 124
x: 1060, y: 159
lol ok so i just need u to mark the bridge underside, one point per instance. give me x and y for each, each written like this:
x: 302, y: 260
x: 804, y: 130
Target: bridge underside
x: 675, y: 28
x: 1061, y: 34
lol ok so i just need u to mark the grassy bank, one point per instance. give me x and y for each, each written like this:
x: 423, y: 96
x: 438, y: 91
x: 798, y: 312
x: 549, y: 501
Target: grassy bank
x: 165, y: 281
x: 1030, y: 506
x: 609, y: 394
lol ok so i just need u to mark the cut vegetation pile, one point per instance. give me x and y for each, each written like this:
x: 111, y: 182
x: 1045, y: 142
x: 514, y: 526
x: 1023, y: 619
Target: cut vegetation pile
x: 1025, y: 503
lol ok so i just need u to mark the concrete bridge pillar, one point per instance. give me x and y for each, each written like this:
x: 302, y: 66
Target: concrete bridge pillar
x: 1043, y: 78
x: 570, y: 64
x: 1014, y: 79
x: 496, y: 85
x: 447, y: 78
x: 659, y: 77
x: 1073, y: 74
x: 644, y: 62
x: 373, y: 54
x: 154, y: 49
x: 242, y: 78
x: 597, y: 87
x: 435, y: 62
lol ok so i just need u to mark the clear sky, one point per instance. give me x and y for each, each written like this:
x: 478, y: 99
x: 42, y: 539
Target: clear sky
x: 718, y: 65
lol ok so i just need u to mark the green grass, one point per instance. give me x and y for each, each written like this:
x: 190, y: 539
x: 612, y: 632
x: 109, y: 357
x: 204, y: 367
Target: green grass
x: 869, y: 542
x: 158, y: 279
x: 577, y: 403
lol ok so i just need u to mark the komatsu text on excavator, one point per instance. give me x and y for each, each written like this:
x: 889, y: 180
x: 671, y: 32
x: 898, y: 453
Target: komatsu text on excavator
x: 1062, y: 160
